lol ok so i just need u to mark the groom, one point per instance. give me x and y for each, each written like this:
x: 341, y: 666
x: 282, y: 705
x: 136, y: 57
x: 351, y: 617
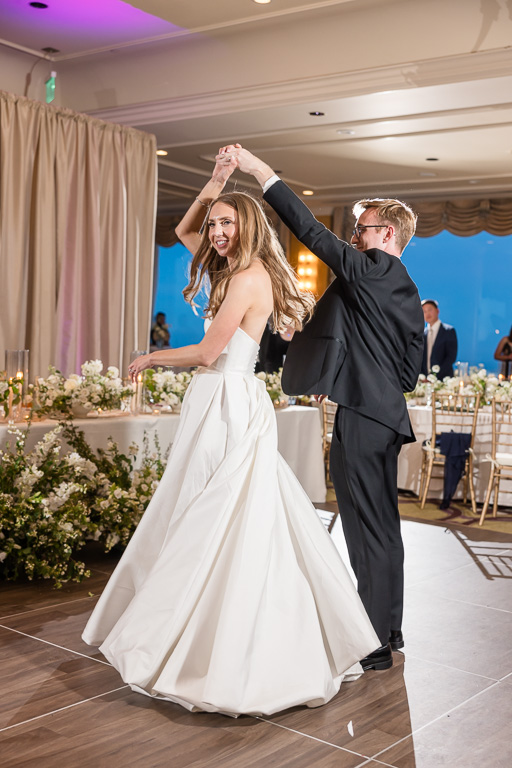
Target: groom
x: 363, y: 348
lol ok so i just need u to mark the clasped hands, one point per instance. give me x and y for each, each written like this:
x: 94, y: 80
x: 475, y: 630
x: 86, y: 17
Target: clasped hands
x: 235, y: 155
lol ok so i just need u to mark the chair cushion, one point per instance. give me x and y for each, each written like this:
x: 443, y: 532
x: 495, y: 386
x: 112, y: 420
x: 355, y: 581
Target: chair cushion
x: 505, y: 459
x: 428, y: 448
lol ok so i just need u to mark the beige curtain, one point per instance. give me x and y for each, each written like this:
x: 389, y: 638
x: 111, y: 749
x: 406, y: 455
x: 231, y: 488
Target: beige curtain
x: 164, y: 233
x: 77, y: 222
x: 464, y: 217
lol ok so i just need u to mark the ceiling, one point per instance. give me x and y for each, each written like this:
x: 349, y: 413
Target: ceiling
x: 416, y: 97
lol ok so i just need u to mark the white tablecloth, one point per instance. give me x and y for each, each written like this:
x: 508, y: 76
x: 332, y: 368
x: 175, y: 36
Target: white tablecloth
x: 299, y: 436
x: 409, y: 461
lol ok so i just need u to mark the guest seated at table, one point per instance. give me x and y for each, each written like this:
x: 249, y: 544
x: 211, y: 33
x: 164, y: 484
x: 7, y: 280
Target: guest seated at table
x: 440, y: 346
x: 504, y: 354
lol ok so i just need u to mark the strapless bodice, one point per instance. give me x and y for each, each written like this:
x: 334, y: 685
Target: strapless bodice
x: 238, y: 356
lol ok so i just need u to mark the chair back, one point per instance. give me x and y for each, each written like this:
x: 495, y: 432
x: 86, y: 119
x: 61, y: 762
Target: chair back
x: 455, y: 412
x: 328, y: 415
x: 501, y: 426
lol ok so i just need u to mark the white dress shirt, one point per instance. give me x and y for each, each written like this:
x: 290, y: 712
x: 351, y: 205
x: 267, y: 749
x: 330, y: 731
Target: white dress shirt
x: 432, y: 332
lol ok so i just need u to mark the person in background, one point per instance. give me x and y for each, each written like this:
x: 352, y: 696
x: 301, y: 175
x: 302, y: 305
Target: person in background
x: 440, y: 342
x: 273, y: 349
x: 504, y: 354
x: 160, y: 333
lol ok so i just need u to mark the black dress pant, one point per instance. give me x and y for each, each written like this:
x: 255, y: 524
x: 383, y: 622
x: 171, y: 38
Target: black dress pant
x: 363, y: 465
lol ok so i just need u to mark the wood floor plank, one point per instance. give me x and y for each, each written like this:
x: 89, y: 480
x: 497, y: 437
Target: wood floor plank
x: 128, y: 729
x: 38, y: 678
x: 62, y: 625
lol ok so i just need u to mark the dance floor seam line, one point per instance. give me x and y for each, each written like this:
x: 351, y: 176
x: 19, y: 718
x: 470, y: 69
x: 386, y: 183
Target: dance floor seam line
x: 314, y: 738
x: 55, y: 645
x: 469, y: 602
x: 46, y: 607
x: 457, y: 669
x: 448, y: 712
x: 62, y: 709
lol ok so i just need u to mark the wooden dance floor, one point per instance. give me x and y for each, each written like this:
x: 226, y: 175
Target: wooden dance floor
x: 447, y: 701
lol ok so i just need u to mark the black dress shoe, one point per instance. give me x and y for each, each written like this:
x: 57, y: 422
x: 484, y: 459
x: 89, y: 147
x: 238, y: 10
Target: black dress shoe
x: 382, y: 658
x: 396, y: 639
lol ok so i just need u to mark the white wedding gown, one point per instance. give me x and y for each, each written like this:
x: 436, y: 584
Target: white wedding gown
x: 231, y: 596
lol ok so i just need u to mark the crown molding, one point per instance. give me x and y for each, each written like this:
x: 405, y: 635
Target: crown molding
x: 472, y: 66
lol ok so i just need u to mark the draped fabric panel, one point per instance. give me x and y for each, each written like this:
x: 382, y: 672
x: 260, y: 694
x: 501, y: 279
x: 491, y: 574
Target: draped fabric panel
x: 463, y: 217
x: 165, y: 236
x: 77, y: 223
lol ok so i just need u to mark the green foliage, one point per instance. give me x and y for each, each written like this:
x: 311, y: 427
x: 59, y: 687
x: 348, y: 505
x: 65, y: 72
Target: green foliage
x: 53, y: 499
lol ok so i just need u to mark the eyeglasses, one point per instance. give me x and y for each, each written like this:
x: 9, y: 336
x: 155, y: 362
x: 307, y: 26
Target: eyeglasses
x: 361, y: 228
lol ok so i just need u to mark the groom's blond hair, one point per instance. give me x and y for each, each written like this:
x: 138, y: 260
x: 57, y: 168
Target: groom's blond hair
x: 394, y: 212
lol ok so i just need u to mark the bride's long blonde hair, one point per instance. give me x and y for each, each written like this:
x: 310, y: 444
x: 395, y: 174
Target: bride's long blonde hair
x: 257, y: 240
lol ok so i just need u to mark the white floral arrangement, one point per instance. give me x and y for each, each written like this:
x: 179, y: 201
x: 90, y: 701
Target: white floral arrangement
x: 274, y: 386
x: 53, y: 499
x: 91, y: 391
x: 479, y: 382
x: 165, y: 387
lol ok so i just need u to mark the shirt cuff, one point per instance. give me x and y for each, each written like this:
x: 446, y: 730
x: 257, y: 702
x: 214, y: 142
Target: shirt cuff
x: 270, y: 182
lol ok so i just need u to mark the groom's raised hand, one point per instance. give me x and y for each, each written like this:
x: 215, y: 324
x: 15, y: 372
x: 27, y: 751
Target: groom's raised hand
x: 246, y: 162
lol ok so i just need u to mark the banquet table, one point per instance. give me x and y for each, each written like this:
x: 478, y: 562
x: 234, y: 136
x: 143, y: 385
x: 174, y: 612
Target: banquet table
x: 409, y: 460
x: 299, y: 431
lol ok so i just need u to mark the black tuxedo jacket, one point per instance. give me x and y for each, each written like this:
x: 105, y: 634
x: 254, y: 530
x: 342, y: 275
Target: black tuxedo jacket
x: 364, y: 344
x: 444, y: 351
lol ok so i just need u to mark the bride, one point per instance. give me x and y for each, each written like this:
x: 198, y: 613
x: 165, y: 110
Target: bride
x: 231, y: 596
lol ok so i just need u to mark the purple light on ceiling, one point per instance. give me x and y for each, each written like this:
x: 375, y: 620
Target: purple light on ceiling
x: 75, y: 26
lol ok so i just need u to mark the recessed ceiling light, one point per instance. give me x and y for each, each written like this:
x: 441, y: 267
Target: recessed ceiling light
x: 38, y: 5
x: 162, y: 152
x: 317, y: 114
x: 345, y: 132
x: 262, y: 2
x: 427, y: 173
x: 307, y: 192
x: 432, y: 159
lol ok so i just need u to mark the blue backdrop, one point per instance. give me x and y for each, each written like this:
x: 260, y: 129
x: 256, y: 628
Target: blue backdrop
x: 172, y: 277
x: 470, y: 277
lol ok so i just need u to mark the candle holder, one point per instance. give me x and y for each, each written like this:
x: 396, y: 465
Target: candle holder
x: 138, y: 400
x: 16, y: 367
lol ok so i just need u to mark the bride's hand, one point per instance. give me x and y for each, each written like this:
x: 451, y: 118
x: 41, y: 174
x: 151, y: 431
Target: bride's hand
x: 138, y: 365
x: 224, y: 166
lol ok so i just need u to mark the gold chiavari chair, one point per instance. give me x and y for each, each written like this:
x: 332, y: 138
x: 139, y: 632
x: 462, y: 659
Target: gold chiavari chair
x: 328, y: 414
x: 501, y: 452
x: 457, y: 413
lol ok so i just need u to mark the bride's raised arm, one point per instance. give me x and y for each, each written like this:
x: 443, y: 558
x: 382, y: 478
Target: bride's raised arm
x: 189, y: 227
